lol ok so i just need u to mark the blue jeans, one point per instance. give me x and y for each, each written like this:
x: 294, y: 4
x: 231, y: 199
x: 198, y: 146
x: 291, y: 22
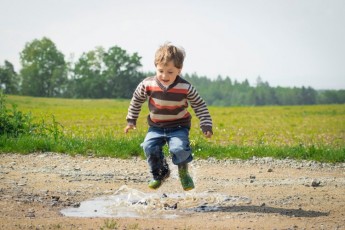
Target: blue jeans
x: 178, y: 143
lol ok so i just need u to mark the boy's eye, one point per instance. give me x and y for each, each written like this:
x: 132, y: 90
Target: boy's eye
x: 170, y: 72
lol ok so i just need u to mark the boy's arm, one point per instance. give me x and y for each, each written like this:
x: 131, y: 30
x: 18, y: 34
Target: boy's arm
x: 139, y: 97
x: 200, y: 108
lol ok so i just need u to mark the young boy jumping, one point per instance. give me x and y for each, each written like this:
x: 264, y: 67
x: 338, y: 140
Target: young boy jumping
x: 169, y: 121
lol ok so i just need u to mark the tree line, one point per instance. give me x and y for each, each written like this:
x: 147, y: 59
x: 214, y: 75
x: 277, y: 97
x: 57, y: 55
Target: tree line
x: 225, y: 92
x: 114, y: 73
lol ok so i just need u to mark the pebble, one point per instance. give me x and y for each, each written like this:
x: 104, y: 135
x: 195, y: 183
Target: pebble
x: 315, y: 183
x: 30, y: 213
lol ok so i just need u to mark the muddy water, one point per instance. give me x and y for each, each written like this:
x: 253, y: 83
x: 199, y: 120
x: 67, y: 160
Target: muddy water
x: 128, y: 202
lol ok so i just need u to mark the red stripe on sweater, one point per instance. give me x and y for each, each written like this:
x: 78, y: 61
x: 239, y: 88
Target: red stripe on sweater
x: 174, y: 90
x: 153, y: 88
x: 169, y: 107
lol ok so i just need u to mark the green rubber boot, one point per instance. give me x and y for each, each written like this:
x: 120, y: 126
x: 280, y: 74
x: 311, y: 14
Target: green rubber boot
x: 154, y: 184
x: 160, y: 176
x: 186, y: 180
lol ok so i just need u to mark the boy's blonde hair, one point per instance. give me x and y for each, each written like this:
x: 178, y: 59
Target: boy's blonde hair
x: 168, y: 52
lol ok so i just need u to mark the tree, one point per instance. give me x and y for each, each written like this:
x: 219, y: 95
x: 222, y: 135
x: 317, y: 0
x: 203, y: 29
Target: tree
x: 44, y: 70
x: 307, y: 96
x: 121, y: 72
x: 331, y: 97
x: 111, y: 74
x: 88, y: 80
x: 264, y: 94
x: 9, y: 79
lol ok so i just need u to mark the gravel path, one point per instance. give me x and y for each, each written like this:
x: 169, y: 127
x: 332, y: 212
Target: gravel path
x: 274, y: 194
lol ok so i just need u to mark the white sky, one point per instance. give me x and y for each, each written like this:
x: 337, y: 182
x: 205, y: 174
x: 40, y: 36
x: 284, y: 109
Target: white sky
x: 287, y: 42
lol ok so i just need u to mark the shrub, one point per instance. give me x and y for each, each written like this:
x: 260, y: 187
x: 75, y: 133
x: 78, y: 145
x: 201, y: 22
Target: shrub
x: 14, y: 123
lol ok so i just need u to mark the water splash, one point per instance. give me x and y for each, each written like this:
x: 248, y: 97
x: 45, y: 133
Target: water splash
x: 128, y: 202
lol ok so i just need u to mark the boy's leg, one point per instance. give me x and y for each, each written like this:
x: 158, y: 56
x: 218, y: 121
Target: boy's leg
x: 179, y: 147
x: 153, y: 145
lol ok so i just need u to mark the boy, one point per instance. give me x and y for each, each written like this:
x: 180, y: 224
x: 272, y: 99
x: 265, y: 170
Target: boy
x: 169, y: 121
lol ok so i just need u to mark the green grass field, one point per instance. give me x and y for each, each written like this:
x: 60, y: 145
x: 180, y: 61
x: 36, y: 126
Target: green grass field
x: 96, y: 127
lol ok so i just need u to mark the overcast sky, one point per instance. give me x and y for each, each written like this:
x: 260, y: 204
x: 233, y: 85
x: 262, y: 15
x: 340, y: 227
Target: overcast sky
x: 285, y: 42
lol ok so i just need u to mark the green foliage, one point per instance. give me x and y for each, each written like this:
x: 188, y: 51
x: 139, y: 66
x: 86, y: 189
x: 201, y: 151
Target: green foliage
x: 121, y: 72
x: 331, y: 97
x: 321, y: 153
x: 225, y: 92
x: 44, y: 70
x: 110, y: 224
x: 14, y: 123
x: 87, y: 81
x: 105, y: 74
x: 9, y: 79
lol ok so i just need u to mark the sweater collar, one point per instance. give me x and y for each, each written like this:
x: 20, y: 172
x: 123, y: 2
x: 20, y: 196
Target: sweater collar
x: 165, y: 89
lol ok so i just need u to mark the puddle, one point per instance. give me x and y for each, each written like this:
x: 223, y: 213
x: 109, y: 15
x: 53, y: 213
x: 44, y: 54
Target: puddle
x: 128, y: 202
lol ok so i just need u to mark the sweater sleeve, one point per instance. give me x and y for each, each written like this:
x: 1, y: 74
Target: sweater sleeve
x: 200, y: 108
x: 139, y: 97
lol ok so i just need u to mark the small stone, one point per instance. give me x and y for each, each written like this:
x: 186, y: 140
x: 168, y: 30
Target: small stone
x: 30, y: 213
x: 76, y: 205
x: 315, y: 183
x: 55, y: 198
x: 77, y: 168
x: 167, y: 206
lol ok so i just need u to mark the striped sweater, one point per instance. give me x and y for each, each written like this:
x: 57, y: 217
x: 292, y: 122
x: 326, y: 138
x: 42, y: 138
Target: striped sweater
x: 168, y: 106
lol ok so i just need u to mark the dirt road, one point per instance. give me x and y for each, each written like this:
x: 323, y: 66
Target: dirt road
x: 271, y: 194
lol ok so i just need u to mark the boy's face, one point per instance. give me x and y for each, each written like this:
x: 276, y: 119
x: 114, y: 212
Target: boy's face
x: 167, y: 74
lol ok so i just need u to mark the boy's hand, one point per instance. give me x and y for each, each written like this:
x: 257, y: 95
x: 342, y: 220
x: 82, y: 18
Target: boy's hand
x: 208, y: 134
x: 128, y: 127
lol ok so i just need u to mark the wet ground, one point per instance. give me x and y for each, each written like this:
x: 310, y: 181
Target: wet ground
x: 56, y: 191
x: 132, y: 203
